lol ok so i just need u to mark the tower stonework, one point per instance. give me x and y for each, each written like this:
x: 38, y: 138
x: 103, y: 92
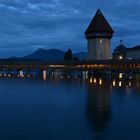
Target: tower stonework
x: 99, y: 34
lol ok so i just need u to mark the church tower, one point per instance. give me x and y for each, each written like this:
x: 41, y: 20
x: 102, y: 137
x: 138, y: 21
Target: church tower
x: 99, y: 34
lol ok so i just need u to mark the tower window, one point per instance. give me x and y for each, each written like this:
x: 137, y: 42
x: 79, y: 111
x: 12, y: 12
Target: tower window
x: 101, y: 41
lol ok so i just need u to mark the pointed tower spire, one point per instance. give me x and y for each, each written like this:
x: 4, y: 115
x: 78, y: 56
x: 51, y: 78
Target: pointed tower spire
x: 98, y: 11
x: 121, y: 42
x: 99, y: 34
x: 99, y: 24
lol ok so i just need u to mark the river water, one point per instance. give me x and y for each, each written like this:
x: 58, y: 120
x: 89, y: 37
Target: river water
x: 84, y: 108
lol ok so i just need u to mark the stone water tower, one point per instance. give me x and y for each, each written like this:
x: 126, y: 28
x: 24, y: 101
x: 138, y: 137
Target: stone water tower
x: 99, y: 34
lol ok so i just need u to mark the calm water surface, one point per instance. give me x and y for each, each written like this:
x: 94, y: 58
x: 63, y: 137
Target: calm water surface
x: 96, y: 108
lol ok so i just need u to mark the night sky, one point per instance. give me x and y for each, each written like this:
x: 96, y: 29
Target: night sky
x: 26, y: 25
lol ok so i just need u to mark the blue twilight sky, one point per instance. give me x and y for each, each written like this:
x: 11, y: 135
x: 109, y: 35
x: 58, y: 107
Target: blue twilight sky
x: 26, y: 25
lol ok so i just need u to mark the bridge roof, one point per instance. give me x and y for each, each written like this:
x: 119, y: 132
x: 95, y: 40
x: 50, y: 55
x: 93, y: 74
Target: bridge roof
x: 43, y: 62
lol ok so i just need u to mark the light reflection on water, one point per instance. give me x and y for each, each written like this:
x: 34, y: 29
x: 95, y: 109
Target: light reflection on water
x: 44, y: 75
x: 99, y: 104
x: 61, y: 107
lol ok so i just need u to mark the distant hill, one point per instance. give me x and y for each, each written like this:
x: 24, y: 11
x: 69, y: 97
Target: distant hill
x: 12, y: 57
x: 80, y: 55
x: 52, y: 54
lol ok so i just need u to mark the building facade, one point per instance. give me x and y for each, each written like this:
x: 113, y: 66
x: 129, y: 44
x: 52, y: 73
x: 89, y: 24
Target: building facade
x: 121, y: 52
x: 98, y: 35
x: 133, y: 53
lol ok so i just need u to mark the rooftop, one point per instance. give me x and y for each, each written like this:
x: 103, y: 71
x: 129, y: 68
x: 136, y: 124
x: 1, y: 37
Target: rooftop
x: 99, y: 24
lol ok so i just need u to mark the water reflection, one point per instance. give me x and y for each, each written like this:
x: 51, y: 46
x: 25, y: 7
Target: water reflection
x: 120, y: 75
x: 129, y: 84
x: 100, y: 81
x: 59, y: 102
x: 95, y: 80
x: 91, y: 81
x: 121, y: 80
x: 99, y: 104
x: 44, y: 75
x: 21, y: 73
x: 114, y: 82
x: 120, y: 83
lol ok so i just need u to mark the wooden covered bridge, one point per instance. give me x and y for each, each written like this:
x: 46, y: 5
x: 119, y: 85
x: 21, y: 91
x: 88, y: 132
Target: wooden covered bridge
x: 102, y: 65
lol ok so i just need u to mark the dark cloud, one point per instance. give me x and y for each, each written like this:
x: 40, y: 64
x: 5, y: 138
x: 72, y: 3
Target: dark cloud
x: 26, y: 25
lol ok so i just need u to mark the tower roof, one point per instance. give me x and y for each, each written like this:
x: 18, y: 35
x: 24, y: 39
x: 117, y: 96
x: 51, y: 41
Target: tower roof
x: 99, y: 24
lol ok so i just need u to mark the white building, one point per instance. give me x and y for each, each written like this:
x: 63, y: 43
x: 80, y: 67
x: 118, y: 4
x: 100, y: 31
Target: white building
x: 122, y: 52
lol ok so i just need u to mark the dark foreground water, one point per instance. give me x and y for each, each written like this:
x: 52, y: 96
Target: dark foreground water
x: 97, y: 108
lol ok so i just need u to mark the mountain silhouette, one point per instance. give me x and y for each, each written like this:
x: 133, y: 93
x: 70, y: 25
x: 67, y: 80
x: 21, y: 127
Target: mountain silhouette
x: 52, y: 54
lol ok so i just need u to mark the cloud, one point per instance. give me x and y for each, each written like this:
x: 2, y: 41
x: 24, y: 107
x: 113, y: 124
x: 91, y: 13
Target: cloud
x: 26, y: 25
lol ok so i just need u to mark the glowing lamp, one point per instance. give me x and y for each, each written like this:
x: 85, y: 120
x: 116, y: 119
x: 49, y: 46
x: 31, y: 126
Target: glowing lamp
x: 120, y: 57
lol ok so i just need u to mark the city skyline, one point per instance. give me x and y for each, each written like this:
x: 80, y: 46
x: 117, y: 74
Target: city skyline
x: 27, y: 25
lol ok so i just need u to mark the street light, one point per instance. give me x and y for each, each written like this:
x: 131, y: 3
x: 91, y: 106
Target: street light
x: 120, y: 57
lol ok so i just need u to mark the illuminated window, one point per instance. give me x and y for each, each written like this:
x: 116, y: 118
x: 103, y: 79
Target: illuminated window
x: 101, y: 41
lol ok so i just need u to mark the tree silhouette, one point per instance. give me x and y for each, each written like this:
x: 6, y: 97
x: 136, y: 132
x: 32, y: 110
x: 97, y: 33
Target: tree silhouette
x: 68, y: 55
